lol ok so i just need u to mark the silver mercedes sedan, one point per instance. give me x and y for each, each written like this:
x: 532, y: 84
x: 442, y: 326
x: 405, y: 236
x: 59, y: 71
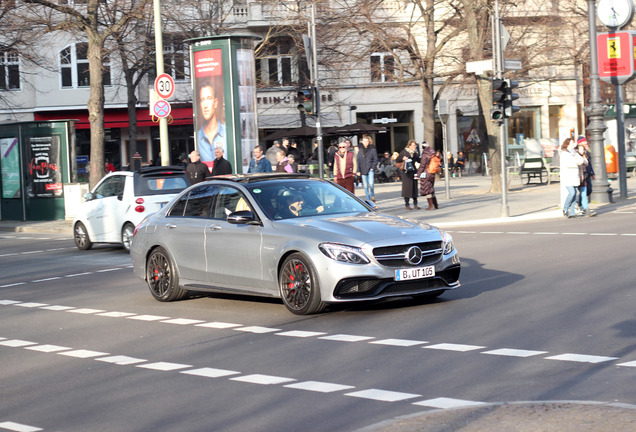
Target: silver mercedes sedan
x: 304, y: 240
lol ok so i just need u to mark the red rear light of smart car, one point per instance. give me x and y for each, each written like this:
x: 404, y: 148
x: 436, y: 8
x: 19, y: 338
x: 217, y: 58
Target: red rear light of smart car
x: 140, y: 208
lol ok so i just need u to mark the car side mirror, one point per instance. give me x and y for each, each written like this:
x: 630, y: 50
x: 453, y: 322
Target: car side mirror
x: 372, y: 205
x: 89, y: 196
x: 120, y: 197
x: 242, y: 217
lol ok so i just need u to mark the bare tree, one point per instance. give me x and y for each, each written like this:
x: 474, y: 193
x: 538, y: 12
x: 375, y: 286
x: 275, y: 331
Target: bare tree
x: 97, y: 21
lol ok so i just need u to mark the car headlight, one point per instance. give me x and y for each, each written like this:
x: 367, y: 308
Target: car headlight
x: 448, y: 242
x: 342, y: 253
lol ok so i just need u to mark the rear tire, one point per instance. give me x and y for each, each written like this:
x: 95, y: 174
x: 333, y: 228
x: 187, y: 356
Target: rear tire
x: 127, y: 235
x: 80, y: 235
x: 299, y: 287
x: 162, y: 278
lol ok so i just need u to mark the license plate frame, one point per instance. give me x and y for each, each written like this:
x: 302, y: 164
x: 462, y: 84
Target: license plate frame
x: 414, y: 273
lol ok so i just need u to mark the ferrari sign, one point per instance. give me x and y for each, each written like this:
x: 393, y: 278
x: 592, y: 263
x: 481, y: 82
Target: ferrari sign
x: 615, y: 56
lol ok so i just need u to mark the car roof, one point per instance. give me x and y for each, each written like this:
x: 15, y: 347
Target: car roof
x: 259, y: 177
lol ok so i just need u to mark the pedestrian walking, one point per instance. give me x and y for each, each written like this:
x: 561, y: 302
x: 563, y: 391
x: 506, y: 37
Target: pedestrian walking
x: 221, y: 165
x: 367, y: 162
x: 282, y: 164
x: 197, y: 171
x: 430, y: 164
x: 571, y: 175
x: 259, y: 163
x: 586, y: 173
x: 405, y: 162
x: 345, y: 167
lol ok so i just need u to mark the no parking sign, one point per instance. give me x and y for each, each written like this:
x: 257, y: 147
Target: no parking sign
x: 161, y: 108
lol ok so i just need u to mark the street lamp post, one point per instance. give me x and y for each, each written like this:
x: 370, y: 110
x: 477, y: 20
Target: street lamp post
x: 595, y: 112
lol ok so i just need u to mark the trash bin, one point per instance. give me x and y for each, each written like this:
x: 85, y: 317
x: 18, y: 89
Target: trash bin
x: 611, y: 160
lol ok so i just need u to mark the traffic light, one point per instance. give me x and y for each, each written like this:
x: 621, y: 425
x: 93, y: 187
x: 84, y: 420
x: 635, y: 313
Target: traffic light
x: 306, y: 100
x: 498, y: 96
x: 509, y: 108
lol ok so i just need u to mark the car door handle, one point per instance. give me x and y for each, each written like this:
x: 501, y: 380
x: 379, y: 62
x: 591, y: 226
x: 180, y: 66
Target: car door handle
x: 171, y: 226
x: 214, y: 228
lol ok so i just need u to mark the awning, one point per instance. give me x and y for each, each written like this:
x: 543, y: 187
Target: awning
x: 117, y: 118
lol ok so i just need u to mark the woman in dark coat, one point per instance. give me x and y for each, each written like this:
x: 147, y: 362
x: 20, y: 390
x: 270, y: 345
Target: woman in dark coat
x: 409, y: 185
x: 427, y: 179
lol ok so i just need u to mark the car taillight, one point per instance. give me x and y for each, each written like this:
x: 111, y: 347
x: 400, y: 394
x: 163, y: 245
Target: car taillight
x: 140, y: 208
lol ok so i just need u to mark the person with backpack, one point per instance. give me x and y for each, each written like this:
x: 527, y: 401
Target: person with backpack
x: 430, y: 164
x: 406, y: 163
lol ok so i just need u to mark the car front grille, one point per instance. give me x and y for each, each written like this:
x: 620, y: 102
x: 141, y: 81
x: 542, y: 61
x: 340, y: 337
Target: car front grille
x: 378, y: 288
x: 395, y: 256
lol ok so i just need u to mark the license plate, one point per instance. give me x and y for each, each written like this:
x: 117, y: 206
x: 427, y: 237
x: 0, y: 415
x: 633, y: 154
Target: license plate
x: 415, y: 273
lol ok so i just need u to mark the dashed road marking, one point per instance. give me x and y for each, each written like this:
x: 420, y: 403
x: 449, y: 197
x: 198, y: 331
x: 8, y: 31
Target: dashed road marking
x: 210, y: 372
x: 18, y: 427
x: 398, y: 342
x: 320, y: 387
x: 582, y: 358
x: 446, y: 403
x: 454, y: 347
x: 82, y: 353
x: 514, y: 352
x: 346, y: 338
x: 164, y: 366
x: 383, y: 395
x: 262, y: 379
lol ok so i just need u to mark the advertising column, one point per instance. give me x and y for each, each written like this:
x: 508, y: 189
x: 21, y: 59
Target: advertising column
x: 224, y: 100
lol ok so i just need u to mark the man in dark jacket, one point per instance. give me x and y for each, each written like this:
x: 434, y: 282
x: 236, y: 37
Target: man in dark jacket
x: 221, y: 165
x: 197, y: 171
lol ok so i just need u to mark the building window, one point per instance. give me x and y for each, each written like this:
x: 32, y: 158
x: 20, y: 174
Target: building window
x: 277, y: 65
x: 9, y: 70
x: 382, y: 67
x: 175, y: 58
x: 74, y: 67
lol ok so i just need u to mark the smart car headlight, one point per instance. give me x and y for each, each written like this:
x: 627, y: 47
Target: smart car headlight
x: 343, y: 253
x: 448, y: 242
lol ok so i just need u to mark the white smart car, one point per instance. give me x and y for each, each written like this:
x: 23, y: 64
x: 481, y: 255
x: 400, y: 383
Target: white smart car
x: 121, y: 200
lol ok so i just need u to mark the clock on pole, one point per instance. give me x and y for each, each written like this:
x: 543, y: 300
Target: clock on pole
x: 615, y: 13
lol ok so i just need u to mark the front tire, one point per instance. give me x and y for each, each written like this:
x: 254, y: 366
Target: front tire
x: 127, y: 235
x: 80, y: 235
x: 162, y: 278
x: 298, y: 286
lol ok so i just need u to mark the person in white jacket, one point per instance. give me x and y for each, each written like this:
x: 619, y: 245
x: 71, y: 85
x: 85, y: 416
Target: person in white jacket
x: 570, y: 174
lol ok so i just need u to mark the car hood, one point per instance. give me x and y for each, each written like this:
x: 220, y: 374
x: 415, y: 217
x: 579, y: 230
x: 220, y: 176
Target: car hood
x: 362, y: 227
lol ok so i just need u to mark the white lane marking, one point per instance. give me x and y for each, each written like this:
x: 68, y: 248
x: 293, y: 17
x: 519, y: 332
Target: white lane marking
x: 8, y: 302
x: 148, y: 317
x: 454, y: 347
x: 82, y: 353
x: 31, y: 305
x: 16, y: 343
x: 31, y: 252
x: 300, y: 333
x: 257, y: 329
x: 78, y: 274
x: 57, y: 308
x: 210, y: 372
x: 574, y: 233
x: 182, y: 321
x: 164, y: 366
x: 382, y: 395
x: 320, y: 387
x: 47, y: 348
x: 518, y: 232
x: 581, y: 358
x: 108, y: 270
x: 18, y: 427
x: 603, y: 234
x: 510, y: 352
x: 115, y: 314
x: 546, y: 233
x: 346, y: 338
x: 628, y: 364
x: 47, y: 279
x: 445, y: 403
x: 121, y: 360
x: 219, y: 325
x: 262, y: 379
x: 628, y: 234
x: 12, y: 285
x: 85, y: 311
x: 398, y: 342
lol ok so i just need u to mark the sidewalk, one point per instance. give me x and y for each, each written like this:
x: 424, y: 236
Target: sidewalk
x: 470, y: 204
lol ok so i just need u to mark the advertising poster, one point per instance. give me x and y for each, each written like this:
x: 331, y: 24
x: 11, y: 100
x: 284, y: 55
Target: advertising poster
x: 247, y: 98
x: 44, y: 177
x: 209, y: 104
x: 10, y: 164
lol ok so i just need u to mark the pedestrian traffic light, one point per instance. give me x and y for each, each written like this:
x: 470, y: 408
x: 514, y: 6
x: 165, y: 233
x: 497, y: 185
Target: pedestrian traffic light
x: 306, y: 100
x: 498, y: 96
x: 509, y: 108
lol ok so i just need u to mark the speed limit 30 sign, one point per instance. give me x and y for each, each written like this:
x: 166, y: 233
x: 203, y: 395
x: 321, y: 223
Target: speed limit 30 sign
x: 164, y: 86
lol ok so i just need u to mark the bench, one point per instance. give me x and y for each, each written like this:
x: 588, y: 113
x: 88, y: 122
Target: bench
x: 533, y: 168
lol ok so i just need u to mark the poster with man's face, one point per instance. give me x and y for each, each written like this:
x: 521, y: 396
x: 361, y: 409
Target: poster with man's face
x: 209, y: 104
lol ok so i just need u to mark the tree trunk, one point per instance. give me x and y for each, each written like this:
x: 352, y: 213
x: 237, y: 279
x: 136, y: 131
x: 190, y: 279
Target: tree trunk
x: 96, y: 107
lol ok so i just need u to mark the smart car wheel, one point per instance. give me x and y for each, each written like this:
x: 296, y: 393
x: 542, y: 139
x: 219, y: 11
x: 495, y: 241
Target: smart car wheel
x: 298, y: 286
x: 162, y: 278
x: 80, y: 234
x: 127, y: 235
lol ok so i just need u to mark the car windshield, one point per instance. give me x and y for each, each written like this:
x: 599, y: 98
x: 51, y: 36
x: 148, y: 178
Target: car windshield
x: 285, y: 199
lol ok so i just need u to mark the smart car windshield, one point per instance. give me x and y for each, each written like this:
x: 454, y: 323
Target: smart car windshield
x: 284, y: 199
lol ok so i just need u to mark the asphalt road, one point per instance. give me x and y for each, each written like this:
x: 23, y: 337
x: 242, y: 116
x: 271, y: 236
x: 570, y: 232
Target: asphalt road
x: 545, y: 313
